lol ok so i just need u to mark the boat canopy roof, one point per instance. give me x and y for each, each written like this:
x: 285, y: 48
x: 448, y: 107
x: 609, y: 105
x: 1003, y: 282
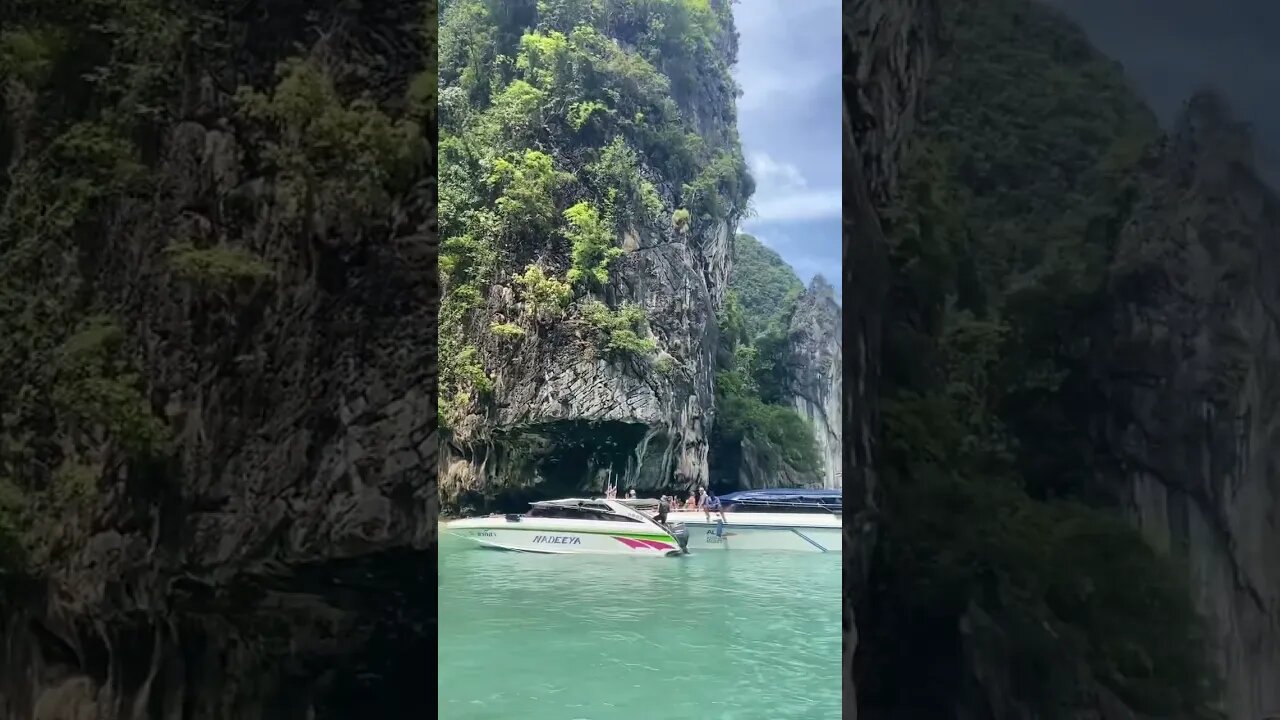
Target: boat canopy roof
x: 640, y: 503
x: 614, y: 507
x: 787, y: 496
x: 571, y: 502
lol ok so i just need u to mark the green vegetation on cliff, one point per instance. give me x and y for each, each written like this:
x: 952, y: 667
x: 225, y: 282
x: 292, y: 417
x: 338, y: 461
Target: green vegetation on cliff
x: 763, y: 292
x: 751, y: 385
x: 1010, y: 205
x: 765, y: 285
x: 561, y: 132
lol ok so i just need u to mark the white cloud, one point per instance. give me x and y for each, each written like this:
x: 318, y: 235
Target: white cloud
x: 789, y: 72
x: 803, y: 205
x: 783, y: 193
x: 774, y: 175
x: 764, y: 90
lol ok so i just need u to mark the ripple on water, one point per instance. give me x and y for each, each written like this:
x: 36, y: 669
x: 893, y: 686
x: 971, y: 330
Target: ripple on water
x: 720, y: 636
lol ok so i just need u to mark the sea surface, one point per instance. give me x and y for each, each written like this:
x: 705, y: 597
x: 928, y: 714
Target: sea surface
x: 711, y: 636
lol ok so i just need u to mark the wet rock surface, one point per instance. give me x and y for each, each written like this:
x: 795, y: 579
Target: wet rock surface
x: 816, y: 369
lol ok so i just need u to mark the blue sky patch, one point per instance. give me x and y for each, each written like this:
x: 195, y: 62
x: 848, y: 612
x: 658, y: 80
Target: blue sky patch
x: 789, y: 120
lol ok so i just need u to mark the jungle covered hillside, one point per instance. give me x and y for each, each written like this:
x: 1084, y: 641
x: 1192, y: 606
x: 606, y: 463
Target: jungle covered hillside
x: 759, y: 436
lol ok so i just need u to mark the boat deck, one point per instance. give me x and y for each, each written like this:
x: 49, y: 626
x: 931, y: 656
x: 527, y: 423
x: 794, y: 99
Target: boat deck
x: 806, y: 532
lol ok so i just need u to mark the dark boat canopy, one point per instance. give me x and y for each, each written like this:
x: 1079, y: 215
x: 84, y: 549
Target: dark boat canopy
x: 826, y: 497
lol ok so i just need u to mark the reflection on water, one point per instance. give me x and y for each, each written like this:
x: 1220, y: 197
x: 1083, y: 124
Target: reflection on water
x: 733, y: 636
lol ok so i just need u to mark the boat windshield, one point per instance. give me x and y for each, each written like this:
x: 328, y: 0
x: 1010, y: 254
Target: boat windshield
x: 644, y: 505
x: 577, y: 512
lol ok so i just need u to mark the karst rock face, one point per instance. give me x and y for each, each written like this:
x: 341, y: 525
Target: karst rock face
x: 565, y: 418
x: 888, y: 48
x: 812, y: 387
x: 816, y: 369
x: 276, y: 561
x: 1192, y: 375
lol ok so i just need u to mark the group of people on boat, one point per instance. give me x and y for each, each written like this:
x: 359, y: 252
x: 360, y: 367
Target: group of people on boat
x: 698, y: 500
x: 701, y: 499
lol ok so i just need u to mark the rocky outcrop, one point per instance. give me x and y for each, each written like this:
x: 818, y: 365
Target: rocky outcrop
x: 567, y: 418
x: 749, y: 465
x: 277, y: 562
x: 1194, y: 379
x: 816, y: 369
x: 887, y: 50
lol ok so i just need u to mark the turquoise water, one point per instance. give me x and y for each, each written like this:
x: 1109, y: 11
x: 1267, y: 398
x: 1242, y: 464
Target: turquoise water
x: 715, y: 636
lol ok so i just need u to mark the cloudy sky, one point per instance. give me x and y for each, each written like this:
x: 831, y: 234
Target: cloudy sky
x: 789, y: 119
x: 1190, y: 44
x: 789, y: 114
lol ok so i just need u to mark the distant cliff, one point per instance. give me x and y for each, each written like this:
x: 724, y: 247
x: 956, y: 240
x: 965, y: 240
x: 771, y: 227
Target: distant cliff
x: 799, y: 444
x: 776, y: 341
x: 817, y: 365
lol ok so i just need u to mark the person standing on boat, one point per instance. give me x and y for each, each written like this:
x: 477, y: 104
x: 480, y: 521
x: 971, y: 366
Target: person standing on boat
x: 710, y: 502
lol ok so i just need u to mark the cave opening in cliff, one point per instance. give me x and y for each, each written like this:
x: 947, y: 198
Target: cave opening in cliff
x: 590, y: 454
x: 561, y: 459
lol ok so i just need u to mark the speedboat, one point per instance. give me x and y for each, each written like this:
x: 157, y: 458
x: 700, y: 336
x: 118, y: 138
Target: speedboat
x: 805, y: 520
x: 576, y: 526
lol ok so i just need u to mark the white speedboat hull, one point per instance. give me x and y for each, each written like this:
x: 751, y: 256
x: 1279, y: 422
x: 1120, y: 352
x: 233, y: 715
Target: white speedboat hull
x: 565, y: 536
x: 798, y: 532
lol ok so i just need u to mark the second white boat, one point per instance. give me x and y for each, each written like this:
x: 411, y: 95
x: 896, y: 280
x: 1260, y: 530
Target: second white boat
x: 781, y: 519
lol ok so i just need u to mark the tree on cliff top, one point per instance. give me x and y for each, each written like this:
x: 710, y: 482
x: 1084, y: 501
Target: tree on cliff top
x: 765, y: 284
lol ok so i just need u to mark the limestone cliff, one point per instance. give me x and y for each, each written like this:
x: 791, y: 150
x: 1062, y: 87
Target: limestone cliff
x: 1192, y: 373
x: 613, y: 378
x: 888, y: 47
x: 815, y: 372
x: 217, y: 434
